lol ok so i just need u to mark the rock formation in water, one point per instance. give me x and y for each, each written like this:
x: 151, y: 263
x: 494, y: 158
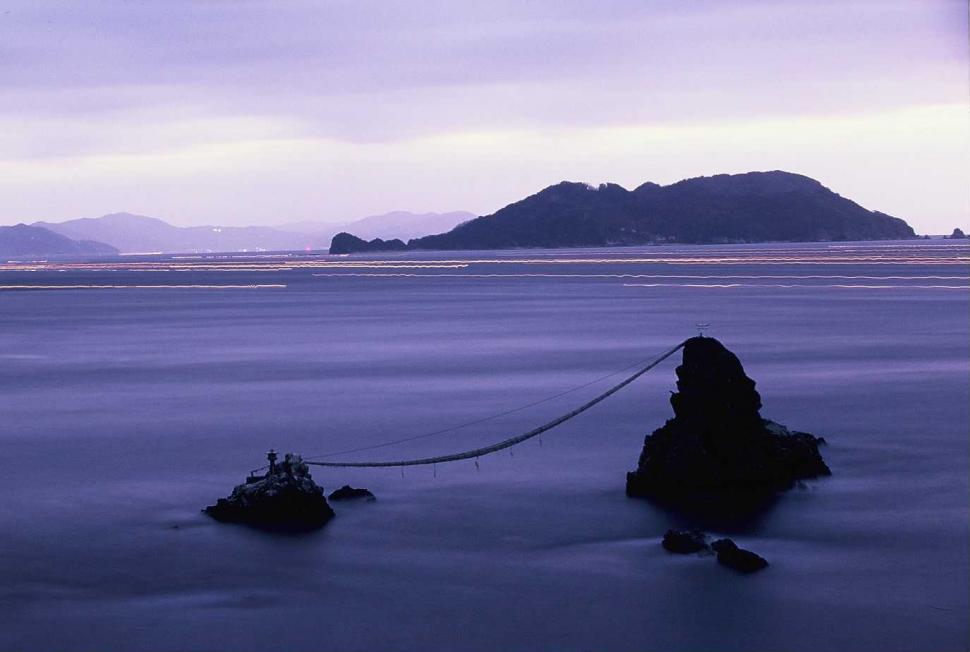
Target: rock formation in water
x: 347, y: 492
x: 689, y: 542
x: 685, y: 542
x: 958, y: 234
x: 286, y: 498
x: 741, y: 560
x: 717, y: 444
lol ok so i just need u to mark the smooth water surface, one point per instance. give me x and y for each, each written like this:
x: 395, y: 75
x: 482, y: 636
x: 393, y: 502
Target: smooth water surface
x: 126, y: 408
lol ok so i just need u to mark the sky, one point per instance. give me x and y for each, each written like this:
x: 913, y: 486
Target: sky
x: 249, y: 112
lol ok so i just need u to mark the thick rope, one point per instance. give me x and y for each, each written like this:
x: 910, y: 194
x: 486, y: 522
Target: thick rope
x: 477, y: 421
x: 512, y: 441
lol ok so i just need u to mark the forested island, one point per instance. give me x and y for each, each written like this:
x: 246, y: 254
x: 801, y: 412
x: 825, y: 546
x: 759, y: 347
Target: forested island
x: 738, y: 208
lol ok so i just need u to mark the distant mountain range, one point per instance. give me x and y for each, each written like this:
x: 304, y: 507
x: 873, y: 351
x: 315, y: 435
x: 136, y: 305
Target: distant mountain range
x: 751, y: 207
x: 128, y: 233
x: 140, y: 234
x: 398, y: 224
x: 22, y: 241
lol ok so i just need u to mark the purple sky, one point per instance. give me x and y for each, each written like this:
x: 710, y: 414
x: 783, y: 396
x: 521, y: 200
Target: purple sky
x: 243, y: 112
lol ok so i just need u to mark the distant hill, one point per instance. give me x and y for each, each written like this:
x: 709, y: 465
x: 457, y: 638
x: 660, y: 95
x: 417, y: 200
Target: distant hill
x: 345, y: 243
x: 751, y: 207
x: 140, y: 234
x: 402, y: 225
x: 131, y: 233
x: 22, y: 241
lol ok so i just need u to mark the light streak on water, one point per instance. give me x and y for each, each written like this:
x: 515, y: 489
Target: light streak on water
x: 28, y: 286
x: 915, y: 254
x: 800, y: 285
x: 674, y: 276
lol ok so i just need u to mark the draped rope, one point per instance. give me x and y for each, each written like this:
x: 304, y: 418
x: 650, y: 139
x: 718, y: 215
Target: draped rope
x: 512, y: 441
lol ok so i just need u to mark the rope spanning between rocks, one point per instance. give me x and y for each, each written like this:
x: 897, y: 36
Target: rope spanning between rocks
x: 478, y: 421
x: 512, y: 441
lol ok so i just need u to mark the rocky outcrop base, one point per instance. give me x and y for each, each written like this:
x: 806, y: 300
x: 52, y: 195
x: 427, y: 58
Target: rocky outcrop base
x: 286, y: 500
x: 717, y: 444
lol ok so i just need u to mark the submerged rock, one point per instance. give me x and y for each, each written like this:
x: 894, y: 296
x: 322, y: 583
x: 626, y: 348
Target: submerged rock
x: 347, y: 492
x: 286, y: 498
x: 685, y: 542
x: 718, y: 444
x: 739, y: 559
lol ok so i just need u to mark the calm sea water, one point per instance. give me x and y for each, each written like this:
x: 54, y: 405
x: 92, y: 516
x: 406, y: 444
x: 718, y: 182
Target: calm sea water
x: 125, y: 409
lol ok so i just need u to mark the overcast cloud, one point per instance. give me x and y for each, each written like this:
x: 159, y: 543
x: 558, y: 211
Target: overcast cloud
x: 243, y: 112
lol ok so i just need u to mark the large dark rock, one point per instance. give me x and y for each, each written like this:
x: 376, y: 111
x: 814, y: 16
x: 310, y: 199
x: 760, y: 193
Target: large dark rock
x: 739, y: 559
x: 958, y: 234
x: 718, y: 444
x: 287, y: 499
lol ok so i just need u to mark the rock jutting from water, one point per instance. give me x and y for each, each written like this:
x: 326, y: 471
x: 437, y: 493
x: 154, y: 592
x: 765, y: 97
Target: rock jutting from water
x: 346, y: 493
x: 717, y: 444
x: 689, y: 542
x: 685, y: 542
x: 741, y: 560
x: 286, y: 498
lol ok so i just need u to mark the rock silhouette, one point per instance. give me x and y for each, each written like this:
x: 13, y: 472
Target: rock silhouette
x: 347, y: 492
x: 741, y: 560
x: 723, y: 208
x: 685, y: 542
x: 717, y: 444
x: 286, y: 498
x: 346, y: 243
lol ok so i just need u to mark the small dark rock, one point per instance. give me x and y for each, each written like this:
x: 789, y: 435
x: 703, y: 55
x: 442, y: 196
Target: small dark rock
x: 739, y: 559
x: 347, y: 492
x: 685, y: 542
x: 287, y: 499
x: 958, y: 234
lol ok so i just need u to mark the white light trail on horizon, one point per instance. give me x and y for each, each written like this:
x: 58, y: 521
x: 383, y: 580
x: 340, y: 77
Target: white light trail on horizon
x: 25, y: 286
x: 800, y: 285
